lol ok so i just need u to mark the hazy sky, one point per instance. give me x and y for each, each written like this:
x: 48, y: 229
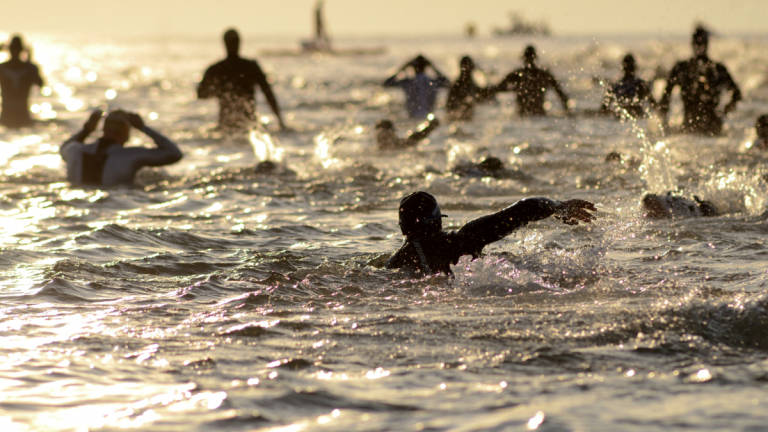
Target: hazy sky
x: 364, y: 17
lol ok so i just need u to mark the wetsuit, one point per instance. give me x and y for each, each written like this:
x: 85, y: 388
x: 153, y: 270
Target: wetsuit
x: 233, y: 81
x: 420, y: 92
x: 531, y: 83
x: 104, y: 164
x: 463, y: 95
x: 16, y: 79
x: 629, y: 95
x: 436, y: 253
x: 701, y: 81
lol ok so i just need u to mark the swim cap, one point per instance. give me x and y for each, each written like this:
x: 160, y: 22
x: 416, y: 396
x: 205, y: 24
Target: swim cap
x: 385, y: 124
x: 420, y: 215
x: 762, y: 121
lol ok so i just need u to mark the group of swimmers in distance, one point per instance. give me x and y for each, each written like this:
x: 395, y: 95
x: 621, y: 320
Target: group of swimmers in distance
x: 427, y: 248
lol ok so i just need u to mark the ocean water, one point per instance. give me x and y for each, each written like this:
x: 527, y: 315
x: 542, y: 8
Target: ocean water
x: 215, y: 296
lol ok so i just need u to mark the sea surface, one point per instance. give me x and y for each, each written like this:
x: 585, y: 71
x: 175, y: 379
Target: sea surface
x: 218, y: 296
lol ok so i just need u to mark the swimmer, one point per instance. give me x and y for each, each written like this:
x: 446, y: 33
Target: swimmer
x: 107, y: 162
x: 629, y: 94
x: 464, y: 93
x: 420, y: 89
x: 233, y: 82
x: 675, y: 206
x: 387, y: 139
x: 491, y: 166
x: 17, y: 77
x: 701, y: 82
x: 531, y: 83
x: 429, y: 249
x: 761, y: 127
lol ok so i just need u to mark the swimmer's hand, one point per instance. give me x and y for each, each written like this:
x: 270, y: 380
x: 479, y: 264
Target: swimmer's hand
x: 135, y: 120
x: 93, y: 121
x: 573, y: 211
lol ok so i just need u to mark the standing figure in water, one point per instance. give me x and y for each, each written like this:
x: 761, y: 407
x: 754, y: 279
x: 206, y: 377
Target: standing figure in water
x: 761, y: 127
x: 233, y: 82
x: 701, y: 81
x: 630, y: 94
x: 106, y: 162
x: 531, y: 83
x: 420, y: 89
x: 429, y: 249
x: 387, y: 139
x: 465, y: 93
x: 17, y: 77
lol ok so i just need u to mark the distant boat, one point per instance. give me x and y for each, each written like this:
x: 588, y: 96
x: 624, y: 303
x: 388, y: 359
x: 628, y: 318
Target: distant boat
x: 518, y: 25
x: 321, y: 43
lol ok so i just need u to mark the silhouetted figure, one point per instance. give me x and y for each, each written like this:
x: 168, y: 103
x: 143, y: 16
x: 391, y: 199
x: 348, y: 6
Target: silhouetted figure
x: 465, y: 93
x: 531, y: 83
x: 701, y: 81
x: 675, y: 206
x: 420, y: 89
x: 233, y: 82
x: 428, y: 249
x: 17, y: 76
x: 629, y: 95
x: 761, y: 127
x: 387, y: 139
x: 106, y: 162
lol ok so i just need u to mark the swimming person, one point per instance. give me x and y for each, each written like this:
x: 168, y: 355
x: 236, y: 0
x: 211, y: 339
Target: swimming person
x: 420, y: 89
x: 676, y: 206
x: 701, y: 82
x: 106, y: 162
x: 17, y: 77
x: 530, y: 83
x: 233, y: 82
x: 429, y: 249
x: 761, y: 127
x: 464, y: 93
x: 387, y: 139
x: 629, y: 95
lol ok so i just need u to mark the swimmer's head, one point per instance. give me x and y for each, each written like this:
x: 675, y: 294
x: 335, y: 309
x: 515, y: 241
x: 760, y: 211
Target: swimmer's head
x: 419, y: 64
x: 420, y: 215
x: 491, y: 163
x: 16, y: 46
x: 385, y: 133
x: 628, y: 64
x: 700, y: 40
x: 232, y: 42
x: 117, y: 128
x: 529, y: 55
x: 466, y: 64
x: 761, y: 126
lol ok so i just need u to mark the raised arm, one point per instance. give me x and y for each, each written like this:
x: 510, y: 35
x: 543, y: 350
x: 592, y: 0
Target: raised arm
x: 268, y: 94
x: 167, y: 152
x: 494, y: 227
x: 88, y: 127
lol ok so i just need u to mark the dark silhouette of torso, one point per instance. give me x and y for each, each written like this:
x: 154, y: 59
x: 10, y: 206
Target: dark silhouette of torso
x: 16, y: 79
x: 233, y: 82
x: 530, y: 83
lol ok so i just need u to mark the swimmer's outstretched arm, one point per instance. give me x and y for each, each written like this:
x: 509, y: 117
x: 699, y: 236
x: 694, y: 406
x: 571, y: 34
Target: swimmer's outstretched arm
x: 673, y: 80
x: 422, y: 133
x: 206, y: 89
x: 561, y: 93
x: 494, y: 227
